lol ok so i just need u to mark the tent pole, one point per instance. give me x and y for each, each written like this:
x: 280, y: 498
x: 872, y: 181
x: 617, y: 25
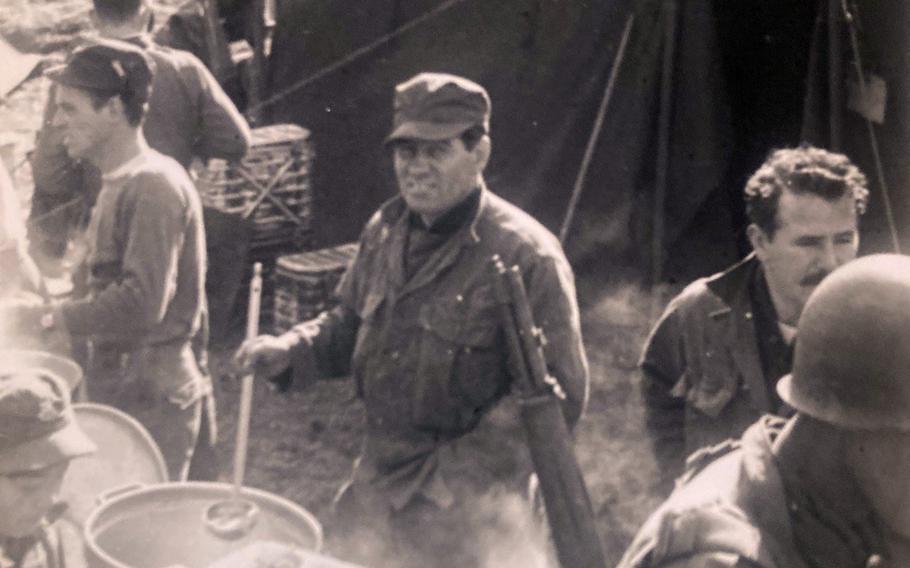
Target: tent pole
x: 212, y: 24
x: 873, y: 138
x: 257, y: 65
x: 835, y: 76
x: 669, y: 19
x: 595, y: 132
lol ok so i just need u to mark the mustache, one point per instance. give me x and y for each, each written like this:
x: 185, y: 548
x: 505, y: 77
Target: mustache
x: 814, y: 279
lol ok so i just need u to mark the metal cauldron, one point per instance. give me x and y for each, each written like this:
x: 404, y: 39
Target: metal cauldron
x: 162, y: 525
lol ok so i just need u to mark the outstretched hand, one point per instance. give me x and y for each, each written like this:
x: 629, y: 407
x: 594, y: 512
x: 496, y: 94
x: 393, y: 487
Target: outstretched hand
x: 266, y: 356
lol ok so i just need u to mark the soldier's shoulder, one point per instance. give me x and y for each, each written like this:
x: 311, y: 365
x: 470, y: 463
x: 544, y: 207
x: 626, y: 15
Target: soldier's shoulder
x: 696, y: 293
x: 509, y: 226
x: 386, y: 215
x: 702, y: 458
x: 180, y: 64
x: 173, y: 54
x: 697, y: 299
x: 709, y: 533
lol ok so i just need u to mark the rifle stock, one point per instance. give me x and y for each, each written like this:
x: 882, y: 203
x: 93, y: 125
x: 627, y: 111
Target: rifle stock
x: 565, y: 495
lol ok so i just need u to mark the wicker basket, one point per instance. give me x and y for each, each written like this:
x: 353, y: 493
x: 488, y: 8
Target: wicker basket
x: 278, y: 163
x: 268, y: 256
x: 305, y: 284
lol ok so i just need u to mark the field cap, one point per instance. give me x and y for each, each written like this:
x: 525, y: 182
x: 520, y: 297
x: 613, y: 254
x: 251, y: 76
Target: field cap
x: 107, y: 65
x: 37, y: 426
x: 438, y: 106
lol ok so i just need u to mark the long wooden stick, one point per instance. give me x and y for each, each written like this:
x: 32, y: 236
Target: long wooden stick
x: 669, y: 19
x: 257, y: 69
x: 212, y: 25
x: 870, y: 128
x: 835, y: 77
x: 246, y: 390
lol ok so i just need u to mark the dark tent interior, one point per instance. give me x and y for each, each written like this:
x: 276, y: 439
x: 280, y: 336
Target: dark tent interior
x: 745, y: 77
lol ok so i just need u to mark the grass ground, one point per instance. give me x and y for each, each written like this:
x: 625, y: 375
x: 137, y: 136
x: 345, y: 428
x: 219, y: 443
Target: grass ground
x: 302, y: 444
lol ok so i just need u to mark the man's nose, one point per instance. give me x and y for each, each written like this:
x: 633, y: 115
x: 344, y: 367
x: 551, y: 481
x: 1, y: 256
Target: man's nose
x: 828, y: 257
x: 59, y: 120
x: 419, y: 162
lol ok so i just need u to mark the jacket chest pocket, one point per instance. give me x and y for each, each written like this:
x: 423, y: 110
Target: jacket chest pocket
x: 711, y: 385
x: 461, y: 368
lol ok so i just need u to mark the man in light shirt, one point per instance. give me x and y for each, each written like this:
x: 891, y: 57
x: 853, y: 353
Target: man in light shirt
x: 147, y: 254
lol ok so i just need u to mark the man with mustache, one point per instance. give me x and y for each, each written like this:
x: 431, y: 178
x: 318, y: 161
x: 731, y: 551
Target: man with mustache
x: 442, y: 474
x: 829, y: 486
x: 710, y: 364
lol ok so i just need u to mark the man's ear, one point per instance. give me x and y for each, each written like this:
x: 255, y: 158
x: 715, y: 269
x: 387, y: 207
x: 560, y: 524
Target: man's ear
x: 482, y: 152
x: 114, y: 108
x: 758, y: 239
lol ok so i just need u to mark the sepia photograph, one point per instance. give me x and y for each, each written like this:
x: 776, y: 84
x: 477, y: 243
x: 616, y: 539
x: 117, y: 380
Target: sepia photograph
x: 454, y: 283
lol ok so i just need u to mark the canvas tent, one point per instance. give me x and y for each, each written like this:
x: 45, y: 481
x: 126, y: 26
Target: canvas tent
x: 746, y: 76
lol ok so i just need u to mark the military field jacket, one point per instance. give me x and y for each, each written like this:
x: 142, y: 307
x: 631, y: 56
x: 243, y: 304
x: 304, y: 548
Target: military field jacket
x: 702, y: 372
x: 737, y: 507
x: 429, y: 355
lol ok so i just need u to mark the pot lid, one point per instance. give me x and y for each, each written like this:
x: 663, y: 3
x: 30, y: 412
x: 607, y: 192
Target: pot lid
x: 126, y: 455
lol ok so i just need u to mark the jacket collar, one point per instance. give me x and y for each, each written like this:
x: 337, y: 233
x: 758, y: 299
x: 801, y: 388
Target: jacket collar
x: 732, y: 285
x: 395, y: 216
x: 395, y: 210
x: 762, y: 494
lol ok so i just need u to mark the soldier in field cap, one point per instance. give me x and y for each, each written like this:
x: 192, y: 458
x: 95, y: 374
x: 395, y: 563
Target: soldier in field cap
x: 38, y: 438
x: 436, y: 106
x: 441, y: 478
x: 147, y: 253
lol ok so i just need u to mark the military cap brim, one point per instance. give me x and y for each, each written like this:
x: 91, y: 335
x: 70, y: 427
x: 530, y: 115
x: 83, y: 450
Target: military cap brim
x: 63, y: 445
x: 428, y: 131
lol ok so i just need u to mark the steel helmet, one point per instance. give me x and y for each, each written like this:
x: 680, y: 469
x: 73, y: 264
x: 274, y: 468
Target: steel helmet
x: 851, y: 363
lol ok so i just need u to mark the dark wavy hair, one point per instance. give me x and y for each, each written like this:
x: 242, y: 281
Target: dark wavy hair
x: 802, y: 170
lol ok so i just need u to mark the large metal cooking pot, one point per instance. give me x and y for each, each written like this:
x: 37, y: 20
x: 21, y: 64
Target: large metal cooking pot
x: 163, y: 525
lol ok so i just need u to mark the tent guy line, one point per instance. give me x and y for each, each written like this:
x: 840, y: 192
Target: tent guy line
x: 353, y: 56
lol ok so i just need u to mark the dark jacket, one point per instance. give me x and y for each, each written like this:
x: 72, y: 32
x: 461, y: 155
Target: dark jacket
x: 741, y: 504
x: 429, y: 354
x: 703, y: 380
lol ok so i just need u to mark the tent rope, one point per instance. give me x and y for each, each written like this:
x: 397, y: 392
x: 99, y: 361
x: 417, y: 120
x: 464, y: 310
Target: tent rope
x: 354, y: 55
x: 873, y: 139
x: 595, y: 131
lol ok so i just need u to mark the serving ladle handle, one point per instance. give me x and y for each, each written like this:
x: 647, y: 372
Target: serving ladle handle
x: 235, y: 517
